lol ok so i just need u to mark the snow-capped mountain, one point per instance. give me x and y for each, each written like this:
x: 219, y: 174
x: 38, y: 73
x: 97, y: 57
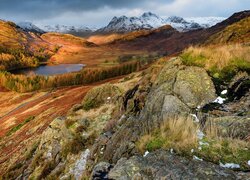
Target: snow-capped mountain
x: 28, y: 26
x: 74, y: 30
x: 150, y: 21
x: 127, y: 24
x: 181, y: 24
x: 206, y: 22
x: 64, y: 28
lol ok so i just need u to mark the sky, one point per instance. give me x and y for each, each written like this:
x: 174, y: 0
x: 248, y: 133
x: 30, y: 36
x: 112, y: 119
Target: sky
x: 97, y: 13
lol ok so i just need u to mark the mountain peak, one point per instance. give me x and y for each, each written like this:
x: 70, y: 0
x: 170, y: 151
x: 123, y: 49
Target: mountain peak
x: 28, y: 26
x: 148, y: 14
x: 176, y: 19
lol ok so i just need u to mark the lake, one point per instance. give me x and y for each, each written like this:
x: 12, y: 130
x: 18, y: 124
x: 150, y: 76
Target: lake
x: 48, y: 70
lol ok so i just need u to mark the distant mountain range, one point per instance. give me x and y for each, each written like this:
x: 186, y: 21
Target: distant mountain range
x: 125, y: 24
x: 150, y: 21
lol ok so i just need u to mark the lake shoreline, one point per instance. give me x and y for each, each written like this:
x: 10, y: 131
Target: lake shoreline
x: 48, y: 69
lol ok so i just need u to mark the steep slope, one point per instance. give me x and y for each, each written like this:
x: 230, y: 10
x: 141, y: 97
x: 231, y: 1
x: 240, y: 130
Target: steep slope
x: 19, y: 48
x: 238, y: 32
x: 11, y: 36
x: 128, y: 130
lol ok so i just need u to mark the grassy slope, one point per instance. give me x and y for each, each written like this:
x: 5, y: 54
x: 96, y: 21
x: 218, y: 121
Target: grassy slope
x: 11, y: 37
x: 238, y: 32
x: 111, y: 38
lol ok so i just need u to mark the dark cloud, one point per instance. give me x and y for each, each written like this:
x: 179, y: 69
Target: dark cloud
x: 99, y: 12
x: 48, y: 8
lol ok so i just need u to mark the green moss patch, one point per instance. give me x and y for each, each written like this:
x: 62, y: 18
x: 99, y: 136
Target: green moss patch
x: 19, y: 126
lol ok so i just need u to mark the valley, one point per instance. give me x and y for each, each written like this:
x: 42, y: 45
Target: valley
x: 141, y: 98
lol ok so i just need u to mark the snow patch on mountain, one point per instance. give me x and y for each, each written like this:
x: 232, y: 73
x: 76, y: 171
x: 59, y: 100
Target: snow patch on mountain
x: 181, y: 24
x: 206, y: 22
x: 64, y: 28
x: 28, y: 26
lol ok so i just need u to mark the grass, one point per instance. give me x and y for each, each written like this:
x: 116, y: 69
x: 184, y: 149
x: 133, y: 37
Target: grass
x: 178, y: 133
x: 221, y: 62
x: 19, y: 126
x: 224, y: 149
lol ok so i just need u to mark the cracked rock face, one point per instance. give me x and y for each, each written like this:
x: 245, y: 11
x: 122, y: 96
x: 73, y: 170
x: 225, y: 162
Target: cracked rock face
x: 194, y: 87
x: 163, y: 165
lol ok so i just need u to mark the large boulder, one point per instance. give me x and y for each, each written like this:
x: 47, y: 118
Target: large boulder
x: 194, y: 87
x: 163, y: 165
x: 177, y: 90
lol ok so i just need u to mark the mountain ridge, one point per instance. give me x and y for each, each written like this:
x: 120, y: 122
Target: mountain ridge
x: 149, y: 20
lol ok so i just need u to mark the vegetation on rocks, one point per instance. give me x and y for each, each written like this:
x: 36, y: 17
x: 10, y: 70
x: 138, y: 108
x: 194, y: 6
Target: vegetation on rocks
x: 178, y: 133
x: 221, y: 62
x: 99, y: 95
x: 19, y: 126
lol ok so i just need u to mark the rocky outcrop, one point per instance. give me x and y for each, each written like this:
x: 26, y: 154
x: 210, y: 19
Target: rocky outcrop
x: 165, y: 98
x: 163, y: 165
x: 178, y: 90
x: 48, y: 154
x: 100, y: 95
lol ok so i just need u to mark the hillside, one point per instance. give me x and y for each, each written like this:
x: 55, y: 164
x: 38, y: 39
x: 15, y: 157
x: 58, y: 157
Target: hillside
x: 20, y: 49
x: 126, y: 37
x: 238, y: 32
x: 173, y: 113
x: 163, y: 41
x: 150, y: 104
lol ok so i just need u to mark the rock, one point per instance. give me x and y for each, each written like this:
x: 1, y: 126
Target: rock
x: 75, y: 108
x: 239, y: 86
x: 232, y: 126
x: 194, y: 87
x: 80, y: 165
x: 169, y: 72
x: 101, y: 170
x: 100, y: 95
x: 163, y: 165
x: 173, y: 106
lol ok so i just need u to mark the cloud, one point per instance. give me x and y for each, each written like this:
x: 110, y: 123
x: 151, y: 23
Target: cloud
x: 99, y: 12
